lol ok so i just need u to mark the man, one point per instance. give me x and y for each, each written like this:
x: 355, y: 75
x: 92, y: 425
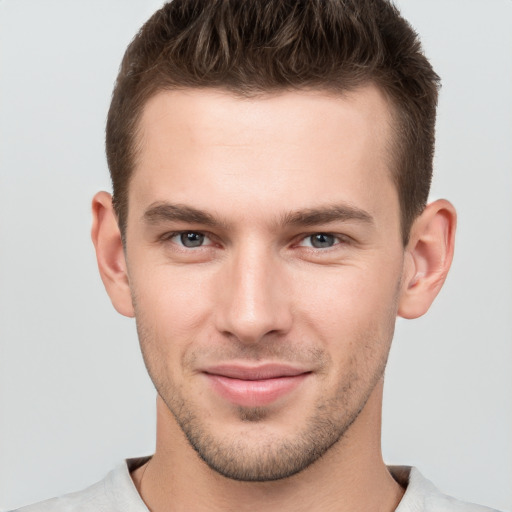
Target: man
x: 271, y: 164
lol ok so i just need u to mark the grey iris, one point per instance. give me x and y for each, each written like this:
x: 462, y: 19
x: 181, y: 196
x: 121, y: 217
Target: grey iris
x: 192, y: 239
x: 321, y: 240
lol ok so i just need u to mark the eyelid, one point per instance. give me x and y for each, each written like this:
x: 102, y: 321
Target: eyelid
x: 168, y: 237
x: 339, y: 239
x: 210, y: 239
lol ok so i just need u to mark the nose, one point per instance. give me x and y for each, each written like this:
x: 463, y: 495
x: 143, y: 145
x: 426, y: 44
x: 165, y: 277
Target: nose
x: 252, y: 297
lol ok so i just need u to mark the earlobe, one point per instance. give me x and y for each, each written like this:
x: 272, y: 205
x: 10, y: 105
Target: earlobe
x: 428, y: 258
x: 107, y: 242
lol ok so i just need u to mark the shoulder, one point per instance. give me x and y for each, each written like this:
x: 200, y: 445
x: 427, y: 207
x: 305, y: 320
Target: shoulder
x: 92, y: 498
x: 422, y: 495
x: 115, y: 493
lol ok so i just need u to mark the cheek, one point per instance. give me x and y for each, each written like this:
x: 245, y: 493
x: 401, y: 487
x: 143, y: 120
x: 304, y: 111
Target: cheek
x: 346, y: 292
x: 167, y: 310
x: 172, y: 300
x: 352, y: 310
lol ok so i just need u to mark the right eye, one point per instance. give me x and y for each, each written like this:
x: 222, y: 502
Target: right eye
x: 190, y: 239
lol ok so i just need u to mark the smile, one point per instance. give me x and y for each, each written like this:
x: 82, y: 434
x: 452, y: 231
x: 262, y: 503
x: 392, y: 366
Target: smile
x: 254, y: 386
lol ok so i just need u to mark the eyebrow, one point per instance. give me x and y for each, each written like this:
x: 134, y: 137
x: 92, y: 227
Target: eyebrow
x: 168, y: 212
x: 325, y: 215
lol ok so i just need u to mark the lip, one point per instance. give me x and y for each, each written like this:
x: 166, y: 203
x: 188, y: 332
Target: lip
x: 254, y: 386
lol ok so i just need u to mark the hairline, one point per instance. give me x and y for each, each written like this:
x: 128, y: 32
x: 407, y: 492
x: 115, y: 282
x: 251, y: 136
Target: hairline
x: 392, y: 145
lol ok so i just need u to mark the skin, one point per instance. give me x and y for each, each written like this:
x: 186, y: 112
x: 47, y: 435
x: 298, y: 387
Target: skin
x: 259, y: 179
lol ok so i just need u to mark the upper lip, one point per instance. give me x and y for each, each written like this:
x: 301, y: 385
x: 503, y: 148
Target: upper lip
x: 260, y: 372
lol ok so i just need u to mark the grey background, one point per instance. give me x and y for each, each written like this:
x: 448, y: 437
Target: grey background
x: 74, y: 396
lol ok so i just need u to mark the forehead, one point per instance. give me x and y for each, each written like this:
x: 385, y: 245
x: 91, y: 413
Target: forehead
x: 209, y: 147
x: 215, y: 114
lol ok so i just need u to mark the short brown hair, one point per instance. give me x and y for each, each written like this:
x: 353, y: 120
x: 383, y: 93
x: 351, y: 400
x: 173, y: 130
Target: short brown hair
x: 253, y: 47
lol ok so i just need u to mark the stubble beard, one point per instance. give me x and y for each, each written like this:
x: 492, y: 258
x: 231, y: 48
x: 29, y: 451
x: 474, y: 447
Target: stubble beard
x: 269, y: 457
x: 273, y: 458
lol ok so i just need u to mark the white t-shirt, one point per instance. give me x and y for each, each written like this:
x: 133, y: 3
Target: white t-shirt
x: 117, y: 493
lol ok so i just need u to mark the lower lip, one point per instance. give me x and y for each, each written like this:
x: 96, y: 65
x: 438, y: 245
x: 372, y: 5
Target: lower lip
x: 254, y: 393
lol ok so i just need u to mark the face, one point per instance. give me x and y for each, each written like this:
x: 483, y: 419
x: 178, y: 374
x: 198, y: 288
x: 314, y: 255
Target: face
x: 265, y: 261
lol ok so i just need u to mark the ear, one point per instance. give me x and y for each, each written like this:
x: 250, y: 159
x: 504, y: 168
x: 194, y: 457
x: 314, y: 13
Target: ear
x: 429, y: 255
x: 106, y: 238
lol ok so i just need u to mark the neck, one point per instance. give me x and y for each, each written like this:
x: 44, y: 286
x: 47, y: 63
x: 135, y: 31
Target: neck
x: 351, y: 475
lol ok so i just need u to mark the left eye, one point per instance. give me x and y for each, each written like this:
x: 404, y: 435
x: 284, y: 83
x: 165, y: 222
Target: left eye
x: 190, y: 239
x: 319, y: 241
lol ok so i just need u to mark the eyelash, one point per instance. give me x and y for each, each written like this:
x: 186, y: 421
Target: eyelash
x: 169, y: 236
x: 337, y: 239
